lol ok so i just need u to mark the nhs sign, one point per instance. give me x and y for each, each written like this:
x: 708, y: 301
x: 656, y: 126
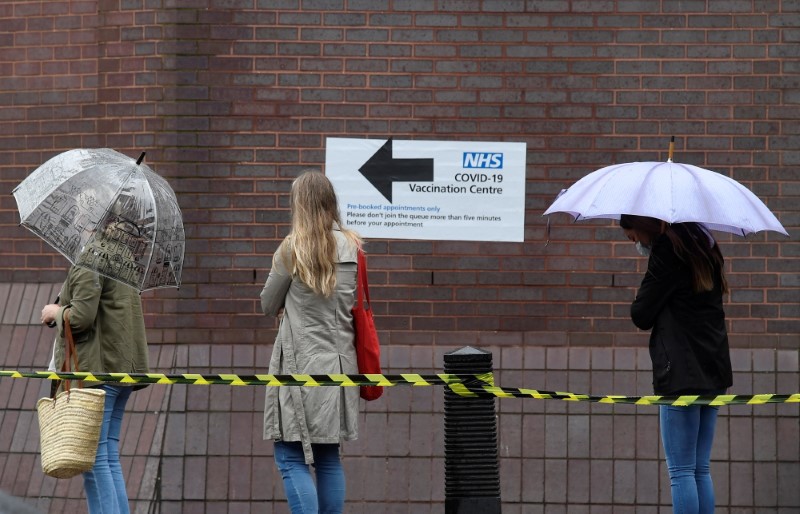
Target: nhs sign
x: 483, y: 160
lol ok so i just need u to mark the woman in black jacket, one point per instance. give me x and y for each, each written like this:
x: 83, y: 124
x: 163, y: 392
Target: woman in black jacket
x: 680, y: 299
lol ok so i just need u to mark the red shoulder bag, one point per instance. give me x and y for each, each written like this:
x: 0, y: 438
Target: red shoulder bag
x: 368, y: 347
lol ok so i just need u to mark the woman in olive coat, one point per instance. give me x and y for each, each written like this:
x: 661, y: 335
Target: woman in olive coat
x: 312, y: 283
x: 107, y: 324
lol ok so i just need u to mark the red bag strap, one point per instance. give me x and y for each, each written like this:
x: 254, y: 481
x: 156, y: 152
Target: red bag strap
x: 361, y: 281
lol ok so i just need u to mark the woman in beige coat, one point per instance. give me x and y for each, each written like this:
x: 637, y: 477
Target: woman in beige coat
x: 312, y: 283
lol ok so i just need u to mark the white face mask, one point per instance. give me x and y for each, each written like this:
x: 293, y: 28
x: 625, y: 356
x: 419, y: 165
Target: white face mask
x: 644, y: 250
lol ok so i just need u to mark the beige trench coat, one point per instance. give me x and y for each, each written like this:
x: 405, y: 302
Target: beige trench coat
x: 315, y: 337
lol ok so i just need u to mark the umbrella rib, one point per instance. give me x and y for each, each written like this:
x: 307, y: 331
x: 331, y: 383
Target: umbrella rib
x: 155, y: 226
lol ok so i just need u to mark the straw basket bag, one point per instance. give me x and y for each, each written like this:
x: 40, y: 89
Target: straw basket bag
x: 69, y: 424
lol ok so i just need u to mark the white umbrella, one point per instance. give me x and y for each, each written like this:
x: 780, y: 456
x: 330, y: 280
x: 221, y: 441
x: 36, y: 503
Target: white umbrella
x: 667, y: 191
x: 106, y: 212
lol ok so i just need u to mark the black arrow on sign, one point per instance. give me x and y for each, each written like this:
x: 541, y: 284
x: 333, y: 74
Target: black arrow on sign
x: 381, y: 170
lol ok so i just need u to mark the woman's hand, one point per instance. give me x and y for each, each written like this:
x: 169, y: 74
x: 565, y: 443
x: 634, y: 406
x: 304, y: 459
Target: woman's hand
x: 49, y: 313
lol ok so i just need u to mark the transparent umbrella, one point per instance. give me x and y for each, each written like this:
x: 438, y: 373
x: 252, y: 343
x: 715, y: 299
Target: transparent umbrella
x: 106, y: 212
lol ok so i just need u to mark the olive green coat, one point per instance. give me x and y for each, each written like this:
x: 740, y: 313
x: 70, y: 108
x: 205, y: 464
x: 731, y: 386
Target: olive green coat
x: 107, y: 324
x: 316, y: 336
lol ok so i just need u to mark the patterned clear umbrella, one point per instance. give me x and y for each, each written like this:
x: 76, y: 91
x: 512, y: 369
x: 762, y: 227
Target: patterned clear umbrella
x: 106, y: 212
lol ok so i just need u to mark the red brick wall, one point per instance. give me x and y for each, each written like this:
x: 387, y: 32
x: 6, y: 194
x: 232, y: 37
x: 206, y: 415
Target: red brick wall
x: 231, y: 99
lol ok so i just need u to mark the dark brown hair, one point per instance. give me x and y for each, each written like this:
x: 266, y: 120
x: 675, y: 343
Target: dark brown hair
x: 691, y: 242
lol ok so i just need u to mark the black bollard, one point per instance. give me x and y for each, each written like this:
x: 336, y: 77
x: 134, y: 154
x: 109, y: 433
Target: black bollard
x: 471, y: 464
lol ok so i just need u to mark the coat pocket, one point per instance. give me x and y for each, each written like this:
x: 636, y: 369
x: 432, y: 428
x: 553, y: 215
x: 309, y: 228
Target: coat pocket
x: 82, y: 337
x: 660, y: 359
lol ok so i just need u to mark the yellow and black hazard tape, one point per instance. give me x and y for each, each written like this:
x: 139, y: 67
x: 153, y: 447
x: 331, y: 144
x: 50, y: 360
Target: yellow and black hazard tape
x: 467, y: 385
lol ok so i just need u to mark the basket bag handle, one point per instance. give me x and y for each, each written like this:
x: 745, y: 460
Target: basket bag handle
x: 70, y: 358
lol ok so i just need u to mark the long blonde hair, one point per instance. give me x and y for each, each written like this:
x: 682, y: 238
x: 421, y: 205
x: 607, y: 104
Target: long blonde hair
x: 310, y: 246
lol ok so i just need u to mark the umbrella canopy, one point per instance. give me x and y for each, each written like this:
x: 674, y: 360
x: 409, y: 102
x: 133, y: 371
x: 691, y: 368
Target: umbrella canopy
x: 668, y: 191
x: 106, y: 212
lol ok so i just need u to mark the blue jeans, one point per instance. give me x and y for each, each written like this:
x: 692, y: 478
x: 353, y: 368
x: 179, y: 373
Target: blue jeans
x: 327, y: 497
x: 688, y: 434
x: 104, y: 483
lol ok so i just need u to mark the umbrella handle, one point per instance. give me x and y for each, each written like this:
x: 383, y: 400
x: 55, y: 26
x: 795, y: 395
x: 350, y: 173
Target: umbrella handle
x: 671, y: 148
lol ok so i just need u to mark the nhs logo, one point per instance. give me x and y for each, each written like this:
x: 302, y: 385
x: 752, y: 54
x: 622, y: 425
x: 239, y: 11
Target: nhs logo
x: 483, y: 160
